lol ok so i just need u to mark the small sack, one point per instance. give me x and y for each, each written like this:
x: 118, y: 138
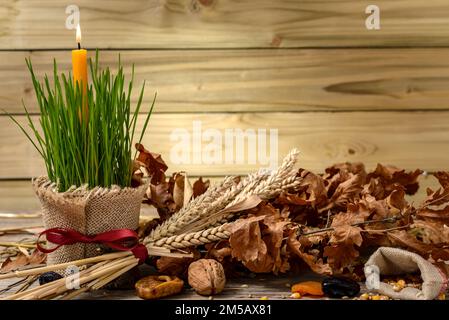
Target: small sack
x: 393, y: 261
x: 88, y: 211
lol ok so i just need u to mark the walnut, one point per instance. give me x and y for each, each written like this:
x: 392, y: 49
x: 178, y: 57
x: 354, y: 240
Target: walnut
x: 155, y: 287
x: 207, y: 277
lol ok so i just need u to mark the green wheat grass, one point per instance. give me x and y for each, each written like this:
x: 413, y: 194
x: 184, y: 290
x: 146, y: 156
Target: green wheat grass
x: 96, y: 149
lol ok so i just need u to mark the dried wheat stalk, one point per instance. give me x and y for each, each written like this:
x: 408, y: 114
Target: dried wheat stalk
x: 180, y: 218
x: 199, y: 213
x: 193, y: 239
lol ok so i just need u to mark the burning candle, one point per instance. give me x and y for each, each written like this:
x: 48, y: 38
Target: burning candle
x: 79, y: 67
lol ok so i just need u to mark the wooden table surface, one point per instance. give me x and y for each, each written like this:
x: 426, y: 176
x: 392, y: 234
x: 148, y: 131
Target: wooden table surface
x: 242, y: 288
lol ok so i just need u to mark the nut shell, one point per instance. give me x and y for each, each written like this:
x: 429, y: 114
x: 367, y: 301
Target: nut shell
x: 155, y: 287
x: 207, y: 277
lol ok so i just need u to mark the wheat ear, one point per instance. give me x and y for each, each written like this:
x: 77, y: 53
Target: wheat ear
x: 193, y: 239
x: 199, y: 212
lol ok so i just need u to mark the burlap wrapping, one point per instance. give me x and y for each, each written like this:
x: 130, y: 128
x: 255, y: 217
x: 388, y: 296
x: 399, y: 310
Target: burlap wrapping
x: 394, y: 261
x: 88, y: 211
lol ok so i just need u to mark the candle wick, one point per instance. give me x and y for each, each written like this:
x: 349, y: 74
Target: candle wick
x: 79, y: 46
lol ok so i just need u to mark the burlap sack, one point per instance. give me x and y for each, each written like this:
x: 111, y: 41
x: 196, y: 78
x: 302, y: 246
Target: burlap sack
x: 393, y: 261
x: 88, y: 211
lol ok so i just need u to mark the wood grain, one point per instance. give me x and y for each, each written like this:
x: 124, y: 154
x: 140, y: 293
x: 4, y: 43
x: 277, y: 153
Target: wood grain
x: 259, y: 80
x: 18, y: 197
x: 409, y: 140
x: 223, y: 23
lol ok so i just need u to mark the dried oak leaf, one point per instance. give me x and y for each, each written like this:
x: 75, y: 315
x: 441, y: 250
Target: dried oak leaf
x: 246, y: 239
x: 273, y: 237
x: 443, y: 178
x: 435, y: 198
x: 394, y: 205
x: 339, y: 173
x: 160, y: 196
x: 340, y: 256
x: 176, y: 266
x: 347, y: 167
x: 431, y: 207
x: 374, y: 188
x: 441, y: 215
x: 396, y: 202
x: 22, y: 260
x: 200, y: 186
x: 312, y: 187
x: 431, y: 232
x: 293, y: 199
x: 347, y: 235
x: 391, y: 175
x: 153, y: 163
x: 259, y: 251
x: 219, y: 251
x: 439, y: 196
x: 346, y: 192
x: 182, y: 189
x: 406, y: 240
x: 344, y: 231
x: 315, y: 263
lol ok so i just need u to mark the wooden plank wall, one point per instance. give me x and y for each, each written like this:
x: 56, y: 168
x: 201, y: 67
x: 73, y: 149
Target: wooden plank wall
x: 310, y: 69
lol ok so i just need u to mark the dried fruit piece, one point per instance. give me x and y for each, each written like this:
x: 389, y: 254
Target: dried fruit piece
x: 49, y: 277
x: 155, y: 287
x: 338, y: 287
x: 312, y: 288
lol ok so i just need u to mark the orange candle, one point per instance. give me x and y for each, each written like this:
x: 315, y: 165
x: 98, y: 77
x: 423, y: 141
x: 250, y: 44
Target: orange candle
x: 79, y: 67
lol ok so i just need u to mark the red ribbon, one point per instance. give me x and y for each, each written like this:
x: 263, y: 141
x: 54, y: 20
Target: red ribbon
x: 119, y: 239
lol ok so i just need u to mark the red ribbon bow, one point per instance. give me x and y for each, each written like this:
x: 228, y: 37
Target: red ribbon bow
x: 119, y: 239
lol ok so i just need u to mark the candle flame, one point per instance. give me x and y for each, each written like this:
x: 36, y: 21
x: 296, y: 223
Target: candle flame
x: 78, y: 33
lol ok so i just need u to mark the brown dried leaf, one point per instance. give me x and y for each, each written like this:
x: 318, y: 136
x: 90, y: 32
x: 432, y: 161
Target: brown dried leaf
x: 391, y: 175
x: 159, y: 195
x: 347, y: 218
x: 37, y: 257
x: 312, y: 187
x: 256, y: 241
x: 246, y: 239
x: 348, y: 167
x: 346, y: 192
x: 182, y: 189
x: 435, y: 198
x: 443, y: 178
x: 374, y: 188
x: 22, y: 260
x: 293, y: 199
x: 315, y: 263
x: 431, y: 232
x: 219, y: 251
x: 340, y: 256
x: 404, y: 239
x: 441, y: 215
x: 153, y: 163
x: 273, y: 237
x: 200, y: 186
x: 176, y: 266
x: 347, y: 235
